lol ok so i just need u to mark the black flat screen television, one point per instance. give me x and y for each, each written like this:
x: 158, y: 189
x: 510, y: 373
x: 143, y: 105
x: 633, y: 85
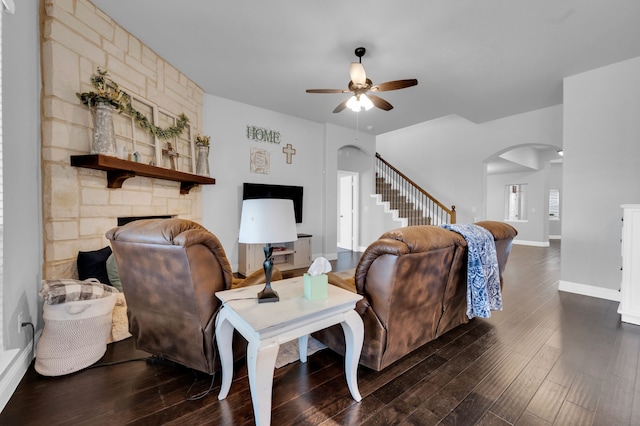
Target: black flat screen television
x: 260, y: 190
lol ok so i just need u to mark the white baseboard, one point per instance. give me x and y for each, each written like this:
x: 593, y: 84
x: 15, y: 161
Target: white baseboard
x: 555, y: 237
x: 531, y: 243
x: 589, y: 290
x: 329, y: 256
x: 628, y: 316
x: 10, y: 380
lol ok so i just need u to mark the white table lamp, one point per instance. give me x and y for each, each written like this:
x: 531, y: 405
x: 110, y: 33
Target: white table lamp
x: 267, y: 221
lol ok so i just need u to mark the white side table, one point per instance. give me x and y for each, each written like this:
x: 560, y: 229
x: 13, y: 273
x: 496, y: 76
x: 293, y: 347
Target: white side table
x: 267, y: 325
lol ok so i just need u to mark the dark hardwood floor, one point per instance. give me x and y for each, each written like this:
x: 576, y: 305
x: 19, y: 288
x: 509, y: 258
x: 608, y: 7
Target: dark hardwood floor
x: 548, y: 358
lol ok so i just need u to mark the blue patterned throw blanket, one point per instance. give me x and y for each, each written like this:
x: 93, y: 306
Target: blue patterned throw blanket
x: 483, y: 277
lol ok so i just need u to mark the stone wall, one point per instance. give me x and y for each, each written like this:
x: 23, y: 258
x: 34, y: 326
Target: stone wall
x: 78, y: 208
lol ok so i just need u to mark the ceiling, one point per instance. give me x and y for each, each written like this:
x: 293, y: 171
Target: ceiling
x: 482, y: 60
x: 524, y: 159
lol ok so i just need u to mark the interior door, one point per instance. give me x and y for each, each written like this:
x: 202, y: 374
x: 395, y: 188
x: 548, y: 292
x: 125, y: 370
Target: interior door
x: 347, y: 209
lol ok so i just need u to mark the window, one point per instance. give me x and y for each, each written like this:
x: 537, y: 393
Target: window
x: 131, y: 138
x: 554, y: 204
x: 516, y: 202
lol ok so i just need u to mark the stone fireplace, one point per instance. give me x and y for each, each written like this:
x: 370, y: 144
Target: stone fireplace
x: 78, y: 208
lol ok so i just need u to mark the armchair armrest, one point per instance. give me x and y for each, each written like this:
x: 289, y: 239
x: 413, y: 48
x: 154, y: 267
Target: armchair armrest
x: 345, y: 283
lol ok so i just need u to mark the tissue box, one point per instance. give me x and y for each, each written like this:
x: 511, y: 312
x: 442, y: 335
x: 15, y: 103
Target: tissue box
x: 315, y: 286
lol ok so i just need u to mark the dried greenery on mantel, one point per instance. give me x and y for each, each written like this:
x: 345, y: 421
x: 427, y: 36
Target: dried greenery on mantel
x: 109, y: 92
x: 203, y: 140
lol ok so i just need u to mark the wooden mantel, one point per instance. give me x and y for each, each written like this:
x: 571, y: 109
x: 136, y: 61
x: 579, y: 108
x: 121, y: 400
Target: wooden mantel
x: 119, y: 170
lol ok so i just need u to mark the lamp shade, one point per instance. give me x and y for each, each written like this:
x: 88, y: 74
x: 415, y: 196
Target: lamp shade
x: 267, y: 220
x: 357, y: 74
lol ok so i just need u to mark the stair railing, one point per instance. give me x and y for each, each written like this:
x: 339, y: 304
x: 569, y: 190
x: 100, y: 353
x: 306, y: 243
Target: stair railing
x: 433, y: 212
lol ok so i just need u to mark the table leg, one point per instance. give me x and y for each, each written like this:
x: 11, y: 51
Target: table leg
x: 224, y: 339
x: 303, y: 343
x: 261, y: 360
x: 353, y: 335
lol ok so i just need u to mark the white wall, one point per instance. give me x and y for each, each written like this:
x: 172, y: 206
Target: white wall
x: 535, y: 230
x: 314, y: 166
x: 555, y: 182
x: 446, y: 156
x: 372, y: 218
x: 21, y: 167
x: 601, y: 171
x: 225, y: 121
x: 430, y: 155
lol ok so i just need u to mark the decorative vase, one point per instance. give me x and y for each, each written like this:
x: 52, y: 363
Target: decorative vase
x: 202, y: 165
x: 104, y: 136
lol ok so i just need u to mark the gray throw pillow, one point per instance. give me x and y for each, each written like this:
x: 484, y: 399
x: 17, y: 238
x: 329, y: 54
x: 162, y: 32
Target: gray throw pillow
x: 112, y: 272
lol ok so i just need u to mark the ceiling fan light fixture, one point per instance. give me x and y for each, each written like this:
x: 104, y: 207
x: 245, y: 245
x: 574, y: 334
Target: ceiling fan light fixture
x: 365, y: 102
x: 353, y: 104
x: 357, y: 74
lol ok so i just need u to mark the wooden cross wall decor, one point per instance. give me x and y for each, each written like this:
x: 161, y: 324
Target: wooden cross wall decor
x: 172, y: 153
x: 290, y: 152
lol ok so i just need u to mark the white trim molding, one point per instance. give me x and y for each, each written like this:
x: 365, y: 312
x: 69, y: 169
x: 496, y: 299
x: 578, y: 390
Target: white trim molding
x: 16, y: 370
x: 532, y: 243
x: 17, y: 363
x: 589, y: 290
x: 12, y: 373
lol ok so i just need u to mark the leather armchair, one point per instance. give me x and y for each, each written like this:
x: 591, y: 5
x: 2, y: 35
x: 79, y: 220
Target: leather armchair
x: 170, y: 270
x: 414, y: 286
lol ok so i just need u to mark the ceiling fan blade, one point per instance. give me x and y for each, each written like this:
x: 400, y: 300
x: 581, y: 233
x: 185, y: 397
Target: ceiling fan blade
x: 342, y: 106
x: 326, y: 91
x: 379, y: 102
x: 394, y: 85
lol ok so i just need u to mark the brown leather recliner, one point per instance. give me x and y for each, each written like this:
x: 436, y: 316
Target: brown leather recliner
x: 170, y: 270
x: 413, y: 283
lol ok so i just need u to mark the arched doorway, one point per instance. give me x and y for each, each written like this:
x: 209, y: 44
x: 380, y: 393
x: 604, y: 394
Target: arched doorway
x: 521, y: 183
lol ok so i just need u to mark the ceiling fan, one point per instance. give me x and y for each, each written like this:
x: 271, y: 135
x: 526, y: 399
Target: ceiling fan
x: 362, y: 87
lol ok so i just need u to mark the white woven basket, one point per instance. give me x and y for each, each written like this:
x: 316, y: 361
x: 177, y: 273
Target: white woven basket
x: 74, y: 336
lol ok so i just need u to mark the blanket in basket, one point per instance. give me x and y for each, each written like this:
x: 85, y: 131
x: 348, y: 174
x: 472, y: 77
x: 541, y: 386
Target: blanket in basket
x: 67, y: 290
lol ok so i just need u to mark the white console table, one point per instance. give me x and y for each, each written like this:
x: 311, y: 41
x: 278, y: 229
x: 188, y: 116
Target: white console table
x: 629, y: 308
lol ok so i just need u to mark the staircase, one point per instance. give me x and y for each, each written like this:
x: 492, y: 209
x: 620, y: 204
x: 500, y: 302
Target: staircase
x: 405, y: 209
x: 407, y: 200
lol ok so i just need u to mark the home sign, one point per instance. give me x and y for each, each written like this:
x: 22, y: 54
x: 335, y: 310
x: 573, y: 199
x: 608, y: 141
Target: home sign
x: 261, y: 134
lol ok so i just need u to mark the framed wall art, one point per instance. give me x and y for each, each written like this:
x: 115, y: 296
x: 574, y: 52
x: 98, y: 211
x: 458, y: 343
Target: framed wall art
x: 259, y: 161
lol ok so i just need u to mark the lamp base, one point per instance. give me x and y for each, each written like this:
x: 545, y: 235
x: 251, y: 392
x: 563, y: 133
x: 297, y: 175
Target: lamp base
x: 268, y: 295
